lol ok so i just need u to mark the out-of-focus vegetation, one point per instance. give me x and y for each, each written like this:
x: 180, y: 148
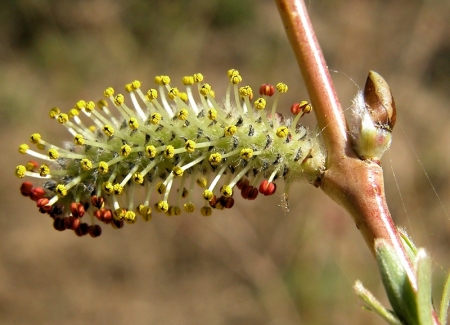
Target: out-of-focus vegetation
x: 254, y: 264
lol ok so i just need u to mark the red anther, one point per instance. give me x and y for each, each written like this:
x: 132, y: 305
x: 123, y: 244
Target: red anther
x: 74, y: 223
x: 94, y: 230
x: 229, y: 202
x: 242, y: 183
x: 267, y: 188
x: 37, y: 193
x: 107, y: 215
x: 295, y: 108
x: 26, y: 188
x: 77, y: 209
x: 71, y: 222
x: 116, y: 224
x: 253, y: 193
x: 245, y: 193
x: 67, y: 224
x: 58, y: 224
x: 82, y: 230
x: 32, y: 165
x: 97, y: 201
x: 42, y: 202
x: 213, y: 201
x: 98, y: 214
x: 267, y: 90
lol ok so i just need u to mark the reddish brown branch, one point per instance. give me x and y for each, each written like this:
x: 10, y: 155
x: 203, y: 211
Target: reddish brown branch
x: 354, y: 184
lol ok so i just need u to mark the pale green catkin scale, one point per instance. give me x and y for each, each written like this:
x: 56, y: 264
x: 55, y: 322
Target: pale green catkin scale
x: 162, y: 143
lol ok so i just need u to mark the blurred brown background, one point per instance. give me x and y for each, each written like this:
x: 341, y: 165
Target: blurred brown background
x: 254, y: 264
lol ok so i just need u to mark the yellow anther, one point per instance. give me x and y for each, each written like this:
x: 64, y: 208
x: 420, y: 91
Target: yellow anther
x: 234, y: 76
x: 119, y: 99
x: 226, y: 190
x: 73, y: 112
x: 161, y: 188
x: 108, y: 92
x: 62, y: 118
x: 202, y: 182
x: 212, y: 114
x: 78, y: 139
x: 108, y: 187
x: 215, y: 159
x: 53, y: 154
x: 31, y: 166
x: 165, y: 80
x: 138, y: 178
x: 44, y: 170
x: 128, y: 88
x: 136, y: 84
x: 183, y: 114
x: 206, y: 211
x: 189, y: 207
x: 198, y: 77
x: 177, y: 171
x: 205, y: 89
x: 232, y: 72
x: 23, y: 148
x: 35, y: 138
x: 174, y: 211
x: 145, y: 211
x: 230, y: 130
x: 163, y: 206
x: 90, y: 106
x: 130, y: 217
x: 282, y: 132
x: 119, y: 214
x: 54, y: 112
x: 152, y: 94
x: 102, y: 103
x: 282, y: 87
x: 246, y: 153
x: 108, y: 130
x: 305, y: 106
x: 245, y: 91
x: 260, y: 103
x: 150, y: 151
x: 61, y: 190
x: 208, y: 195
x: 188, y: 80
x: 125, y: 150
x: 85, y: 164
x: 155, y: 118
x: 103, y: 167
x: 190, y: 146
x: 184, y: 97
x: 118, y: 189
x: 133, y: 123
x: 169, y: 152
x: 92, y: 128
x: 80, y: 104
x: 158, y: 80
x: 173, y: 93
x: 20, y: 171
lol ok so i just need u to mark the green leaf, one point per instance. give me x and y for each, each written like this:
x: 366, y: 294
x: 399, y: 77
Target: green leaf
x: 408, y: 244
x: 424, y: 306
x: 398, y: 287
x: 445, y: 302
x: 372, y: 304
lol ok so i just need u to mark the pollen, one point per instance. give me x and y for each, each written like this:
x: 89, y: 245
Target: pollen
x: 246, y: 153
x: 158, y: 151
